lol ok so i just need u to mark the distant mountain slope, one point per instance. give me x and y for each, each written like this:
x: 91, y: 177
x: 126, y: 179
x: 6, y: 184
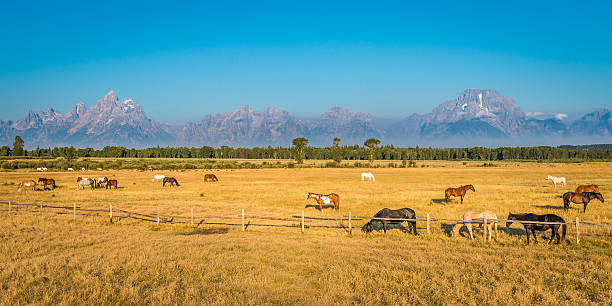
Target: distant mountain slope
x: 475, y: 116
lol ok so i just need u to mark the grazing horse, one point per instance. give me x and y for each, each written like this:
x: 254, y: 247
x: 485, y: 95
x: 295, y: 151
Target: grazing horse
x: 101, y: 180
x: 457, y: 192
x: 532, y: 227
x: 580, y: 198
x: 367, y: 175
x: 70, y: 169
x: 47, y: 182
x: 325, y: 199
x: 141, y: 169
x: 27, y: 184
x: 211, y: 177
x: 556, y: 180
x: 158, y: 177
x: 469, y: 217
x: 587, y: 188
x: 403, y: 213
x: 84, y: 182
x: 172, y: 181
x: 111, y: 183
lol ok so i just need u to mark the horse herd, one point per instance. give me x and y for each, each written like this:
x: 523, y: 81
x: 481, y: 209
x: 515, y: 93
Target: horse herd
x: 582, y: 195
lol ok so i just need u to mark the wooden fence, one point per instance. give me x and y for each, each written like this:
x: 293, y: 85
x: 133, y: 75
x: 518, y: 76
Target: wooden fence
x: 116, y: 215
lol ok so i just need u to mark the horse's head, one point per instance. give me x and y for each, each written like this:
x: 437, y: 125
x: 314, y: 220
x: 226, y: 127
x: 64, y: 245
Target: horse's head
x: 471, y: 187
x: 549, y: 177
x: 510, y: 217
x: 309, y: 196
x: 41, y: 179
x: 599, y: 196
x: 368, y: 227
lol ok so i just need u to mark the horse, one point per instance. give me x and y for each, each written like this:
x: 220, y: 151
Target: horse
x: 101, y: 180
x: 83, y: 169
x: 367, y: 175
x: 468, y: 220
x: 212, y: 177
x: 70, y: 169
x: 47, y: 182
x: 158, y: 177
x: 84, y: 182
x: 457, y: 192
x: 99, y: 169
x: 141, y: 169
x: 556, y: 180
x: 403, y: 213
x: 580, y: 198
x: 39, y: 169
x: 172, y: 181
x: 26, y: 184
x: 532, y: 227
x: 325, y: 199
x: 111, y: 183
x: 150, y: 169
x: 587, y: 188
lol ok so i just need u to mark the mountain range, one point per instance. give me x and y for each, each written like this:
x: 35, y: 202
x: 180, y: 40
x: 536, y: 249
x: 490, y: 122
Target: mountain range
x: 475, y: 117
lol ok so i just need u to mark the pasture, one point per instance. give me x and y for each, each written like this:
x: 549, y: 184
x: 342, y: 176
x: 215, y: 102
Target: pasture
x: 49, y: 258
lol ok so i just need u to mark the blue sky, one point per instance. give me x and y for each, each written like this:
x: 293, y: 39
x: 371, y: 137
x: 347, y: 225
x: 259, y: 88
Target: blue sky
x: 183, y: 60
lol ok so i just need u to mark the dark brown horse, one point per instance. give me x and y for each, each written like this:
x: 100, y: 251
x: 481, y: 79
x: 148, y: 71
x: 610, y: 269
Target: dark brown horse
x: 587, y: 188
x: 211, y: 177
x: 457, y: 192
x: 47, y: 182
x: 325, y: 199
x: 170, y: 180
x: 580, y: 198
x: 111, y: 183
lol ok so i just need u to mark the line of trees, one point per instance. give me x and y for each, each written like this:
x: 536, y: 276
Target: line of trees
x: 371, y: 150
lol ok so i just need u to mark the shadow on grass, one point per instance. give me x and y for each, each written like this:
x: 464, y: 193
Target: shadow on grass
x: 549, y: 207
x: 441, y: 201
x: 207, y: 231
x: 379, y: 227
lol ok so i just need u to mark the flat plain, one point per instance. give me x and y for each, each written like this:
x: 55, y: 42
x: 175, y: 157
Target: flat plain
x: 48, y: 258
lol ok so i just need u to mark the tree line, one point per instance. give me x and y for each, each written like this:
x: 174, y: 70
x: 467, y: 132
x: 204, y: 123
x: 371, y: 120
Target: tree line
x: 300, y: 150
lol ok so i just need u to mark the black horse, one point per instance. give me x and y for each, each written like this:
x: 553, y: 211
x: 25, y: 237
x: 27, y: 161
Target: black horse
x: 404, y: 213
x: 580, y: 198
x: 172, y: 181
x: 532, y: 227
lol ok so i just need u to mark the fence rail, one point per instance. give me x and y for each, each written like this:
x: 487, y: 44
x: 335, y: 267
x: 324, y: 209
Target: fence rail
x: 116, y: 214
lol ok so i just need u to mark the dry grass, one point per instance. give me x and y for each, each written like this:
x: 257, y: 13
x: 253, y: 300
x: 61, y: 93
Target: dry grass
x: 51, y: 259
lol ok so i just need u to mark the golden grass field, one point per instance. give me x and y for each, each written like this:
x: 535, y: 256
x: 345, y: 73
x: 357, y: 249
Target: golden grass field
x: 52, y: 259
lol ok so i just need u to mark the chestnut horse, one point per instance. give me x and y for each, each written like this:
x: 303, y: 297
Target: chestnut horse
x: 111, y: 183
x: 325, y: 199
x: 457, y: 192
x: 580, y: 198
x: 587, y: 188
x: 26, y: 184
x: 211, y: 177
x: 47, y: 182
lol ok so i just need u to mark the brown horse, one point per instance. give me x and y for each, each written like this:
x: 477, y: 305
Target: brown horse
x: 587, y: 188
x: 111, y: 183
x: 457, y: 192
x: 580, y: 198
x: 141, y: 169
x: 26, y: 184
x: 325, y: 199
x: 47, y: 182
x: 211, y: 177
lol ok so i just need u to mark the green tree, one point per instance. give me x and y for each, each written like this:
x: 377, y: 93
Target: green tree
x: 18, y: 147
x: 372, y: 145
x: 70, y: 154
x: 5, y: 151
x: 336, y: 151
x: 299, y: 146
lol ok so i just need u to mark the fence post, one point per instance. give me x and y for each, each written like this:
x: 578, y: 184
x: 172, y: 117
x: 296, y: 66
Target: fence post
x: 110, y: 213
x: 302, y: 221
x: 577, y: 230
x: 428, y: 230
x: 74, y: 211
x: 9, y: 208
x: 350, y: 224
x: 484, y: 228
x: 157, y: 215
x: 192, y: 216
x: 243, y: 219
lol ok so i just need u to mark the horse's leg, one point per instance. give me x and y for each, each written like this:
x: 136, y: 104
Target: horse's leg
x: 552, y: 235
x: 414, y: 230
x: 385, y: 226
x: 585, y: 205
x: 469, y: 227
x: 527, y: 233
x: 535, y: 238
x: 461, y: 199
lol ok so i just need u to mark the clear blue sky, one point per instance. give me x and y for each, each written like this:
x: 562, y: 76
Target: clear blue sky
x: 181, y: 61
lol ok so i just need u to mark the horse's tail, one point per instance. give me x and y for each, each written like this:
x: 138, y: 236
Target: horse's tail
x: 563, y: 230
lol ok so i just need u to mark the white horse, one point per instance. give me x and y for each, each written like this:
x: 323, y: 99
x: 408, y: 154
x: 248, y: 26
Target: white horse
x: 44, y: 169
x: 158, y: 177
x: 556, y: 180
x: 39, y: 169
x: 468, y: 220
x: 86, y: 182
x: 367, y: 175
x: 70, y: 169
